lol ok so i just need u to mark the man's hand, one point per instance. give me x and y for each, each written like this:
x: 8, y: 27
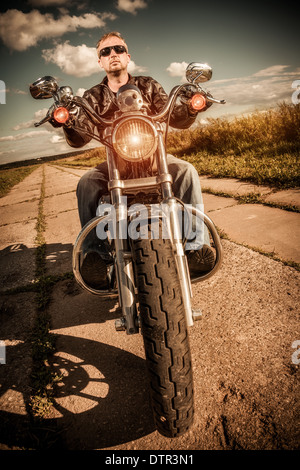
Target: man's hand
x: 55, y: 123
x: 186, y: 95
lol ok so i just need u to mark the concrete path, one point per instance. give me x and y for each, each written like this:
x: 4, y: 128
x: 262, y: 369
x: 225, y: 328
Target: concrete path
x: 245, y: 378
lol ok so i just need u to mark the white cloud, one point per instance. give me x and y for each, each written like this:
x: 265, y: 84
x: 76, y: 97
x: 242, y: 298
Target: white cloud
x: 19, y: 30
x: 15, y: 90
x: 131, y: 6
x: 271, y: 71
x: 177, y: 69
x: 79, y: 61
x: 24, y: 135
x: 38, y: 116
x: 57, y: 139
x: 265, y: 87
x: 134, y: 69
x: 19, y: 92
x: 80, y: 92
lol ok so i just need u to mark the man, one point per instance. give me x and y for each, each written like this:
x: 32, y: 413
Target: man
x: 114, y: 59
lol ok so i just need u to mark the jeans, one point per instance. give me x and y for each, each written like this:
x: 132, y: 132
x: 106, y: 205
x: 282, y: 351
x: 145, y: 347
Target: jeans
x: 93, y: 185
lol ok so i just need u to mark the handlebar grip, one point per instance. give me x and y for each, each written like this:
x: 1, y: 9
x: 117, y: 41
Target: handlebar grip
x: 214, y: 100
x: 46, y: 119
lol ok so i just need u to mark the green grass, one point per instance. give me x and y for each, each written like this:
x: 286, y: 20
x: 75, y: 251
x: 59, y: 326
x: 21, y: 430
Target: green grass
x: 11, y: 177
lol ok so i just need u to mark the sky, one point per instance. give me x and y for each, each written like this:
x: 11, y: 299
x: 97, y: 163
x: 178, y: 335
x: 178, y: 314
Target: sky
x: 252, y: 47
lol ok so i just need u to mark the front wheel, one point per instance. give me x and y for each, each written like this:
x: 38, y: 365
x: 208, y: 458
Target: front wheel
x: 165, y: 336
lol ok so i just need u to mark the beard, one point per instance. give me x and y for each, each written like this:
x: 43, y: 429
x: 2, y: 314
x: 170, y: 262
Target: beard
x: 116, y: 68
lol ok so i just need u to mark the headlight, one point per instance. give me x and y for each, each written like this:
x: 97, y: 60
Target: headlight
x: 134, y: 139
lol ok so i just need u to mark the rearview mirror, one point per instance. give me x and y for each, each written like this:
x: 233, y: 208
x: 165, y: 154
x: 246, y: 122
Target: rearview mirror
x: 43, y: 88
x: 198, y: 73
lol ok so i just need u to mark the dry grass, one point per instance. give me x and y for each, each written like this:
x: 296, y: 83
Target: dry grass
x: 89, y: 158
x: 13, y: 176
x: 263, y: 147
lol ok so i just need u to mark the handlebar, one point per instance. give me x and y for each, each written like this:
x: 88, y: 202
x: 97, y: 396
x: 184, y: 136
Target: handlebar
x: 214, y: 100
x: 47, y: 117
x: 100, y: 121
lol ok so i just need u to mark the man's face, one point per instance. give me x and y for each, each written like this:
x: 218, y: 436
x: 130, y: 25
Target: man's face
x: 113, y: 62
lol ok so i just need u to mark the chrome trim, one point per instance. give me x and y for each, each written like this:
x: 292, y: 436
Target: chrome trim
x: 172, y: 97
x: 197, y: 73
x: 113, y: 293
x: 140, y: 183
x: 144, y: 119
x: 219, y: 250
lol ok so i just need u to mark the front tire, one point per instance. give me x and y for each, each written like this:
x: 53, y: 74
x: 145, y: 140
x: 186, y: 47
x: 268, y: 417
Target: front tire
x: 165, y: 336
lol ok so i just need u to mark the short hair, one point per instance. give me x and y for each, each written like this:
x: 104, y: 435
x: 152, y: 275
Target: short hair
x: 109, y: 35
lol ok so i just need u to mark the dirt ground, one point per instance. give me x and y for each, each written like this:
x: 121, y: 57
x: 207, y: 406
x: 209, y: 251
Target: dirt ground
x: 244, y: 348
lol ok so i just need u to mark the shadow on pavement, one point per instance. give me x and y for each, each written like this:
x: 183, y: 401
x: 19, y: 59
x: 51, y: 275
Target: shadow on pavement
x: 102, y: 399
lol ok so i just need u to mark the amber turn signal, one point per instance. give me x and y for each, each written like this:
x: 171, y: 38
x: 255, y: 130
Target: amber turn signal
x: 198, y: 102
x: 61, y: 115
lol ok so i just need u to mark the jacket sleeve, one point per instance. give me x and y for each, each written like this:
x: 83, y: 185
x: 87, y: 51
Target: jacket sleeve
x: 75, y: 134
x: 181, y: 117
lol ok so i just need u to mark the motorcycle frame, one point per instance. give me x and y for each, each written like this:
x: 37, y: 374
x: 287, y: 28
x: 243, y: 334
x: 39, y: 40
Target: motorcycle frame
x: 123, y: 260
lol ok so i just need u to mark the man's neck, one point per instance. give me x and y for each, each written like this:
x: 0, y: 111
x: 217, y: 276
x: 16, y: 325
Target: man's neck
x: 116, y: 81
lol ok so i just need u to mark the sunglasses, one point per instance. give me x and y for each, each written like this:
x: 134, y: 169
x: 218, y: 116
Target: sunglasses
x: 107, y: 50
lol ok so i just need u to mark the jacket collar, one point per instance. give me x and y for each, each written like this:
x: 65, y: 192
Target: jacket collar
x: 105, y: 80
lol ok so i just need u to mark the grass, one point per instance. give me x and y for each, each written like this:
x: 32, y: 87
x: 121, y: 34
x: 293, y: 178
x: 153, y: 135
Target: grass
x: 42, y: 341
x: 11, y: 177
x: 263, y: 148
x: 89, y: 158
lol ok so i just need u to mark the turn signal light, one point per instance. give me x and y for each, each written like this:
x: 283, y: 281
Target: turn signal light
x: 61, y: 115
x: 198, y: 102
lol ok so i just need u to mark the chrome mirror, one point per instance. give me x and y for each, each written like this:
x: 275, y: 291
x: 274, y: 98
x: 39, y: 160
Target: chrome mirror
x: 198, y: 73
x: 43, y: 88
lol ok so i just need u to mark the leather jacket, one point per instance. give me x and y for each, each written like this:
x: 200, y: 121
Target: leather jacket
x: 103, y: 100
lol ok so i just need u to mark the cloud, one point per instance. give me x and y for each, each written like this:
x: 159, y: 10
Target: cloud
x: 134, y: 69
x: 19, y: 30
x: 16, y: 91
x: 57, y: 139
x: 131, y: 6
x: 271, y: 71
x: 80, y: 92
x: 38, y: 116
x: 24, y: 135
x: 177, y: 69
x: 79, y: 61
x: 265, y: 87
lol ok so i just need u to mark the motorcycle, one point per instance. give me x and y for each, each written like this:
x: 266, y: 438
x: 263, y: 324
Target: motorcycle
x: 148, y: 272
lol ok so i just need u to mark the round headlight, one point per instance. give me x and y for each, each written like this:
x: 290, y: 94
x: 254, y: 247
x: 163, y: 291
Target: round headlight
x: 134, y: 139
